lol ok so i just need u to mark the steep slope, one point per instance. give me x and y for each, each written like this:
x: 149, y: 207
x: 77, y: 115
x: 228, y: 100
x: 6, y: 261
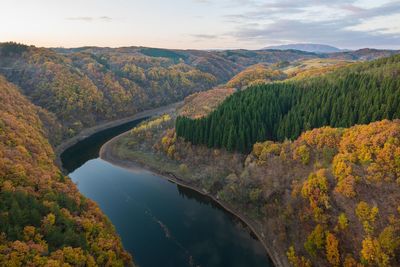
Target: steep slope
x: 45, y: 221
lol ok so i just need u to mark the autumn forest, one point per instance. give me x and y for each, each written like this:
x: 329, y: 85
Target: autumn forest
x: 304, y: 146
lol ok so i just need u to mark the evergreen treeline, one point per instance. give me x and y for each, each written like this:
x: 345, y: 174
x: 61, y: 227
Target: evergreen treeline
x: 10, y: 48
x: 358, y: 94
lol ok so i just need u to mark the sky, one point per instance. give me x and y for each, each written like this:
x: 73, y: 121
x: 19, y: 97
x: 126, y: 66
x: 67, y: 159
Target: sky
x: 201, y: 24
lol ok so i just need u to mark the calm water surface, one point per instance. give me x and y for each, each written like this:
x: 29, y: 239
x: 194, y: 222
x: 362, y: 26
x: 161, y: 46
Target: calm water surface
x: 160, y: 223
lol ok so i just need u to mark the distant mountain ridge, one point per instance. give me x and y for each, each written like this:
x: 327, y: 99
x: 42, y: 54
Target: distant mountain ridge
x: 314, y: 48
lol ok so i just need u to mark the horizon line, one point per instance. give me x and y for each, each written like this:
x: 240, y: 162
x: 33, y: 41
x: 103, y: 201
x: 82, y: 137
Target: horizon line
x: 203, y: 49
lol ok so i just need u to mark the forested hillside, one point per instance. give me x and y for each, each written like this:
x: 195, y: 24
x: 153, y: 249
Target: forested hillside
x: 360, y: 93
x: 328, y: 198
x: 82, y: 87
x: 332, y: 194
x: 44, y: 220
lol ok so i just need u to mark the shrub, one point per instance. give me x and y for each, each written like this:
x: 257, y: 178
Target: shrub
x: 302, y: 153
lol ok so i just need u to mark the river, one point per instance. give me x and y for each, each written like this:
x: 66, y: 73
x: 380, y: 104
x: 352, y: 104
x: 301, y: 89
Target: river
x: 160, y: 223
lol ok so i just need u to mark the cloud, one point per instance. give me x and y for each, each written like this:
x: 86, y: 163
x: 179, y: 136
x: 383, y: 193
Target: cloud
x: 202, y: 1
x: 319, y: 9
x: 90, y: 19
x: 333, y: 22
x: 352, y: 8
x: 284, y: 31
x: 228, y: 3
x: 105, y: 18
x: 385, y: 9
x: 204, y: 36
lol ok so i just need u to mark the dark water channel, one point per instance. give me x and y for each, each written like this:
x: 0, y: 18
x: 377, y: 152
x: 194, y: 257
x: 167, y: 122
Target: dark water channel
x: 160, y: 223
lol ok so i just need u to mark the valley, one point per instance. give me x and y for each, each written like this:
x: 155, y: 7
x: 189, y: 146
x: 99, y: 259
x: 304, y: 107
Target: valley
x: 279, y: 138
x: 152, y: 214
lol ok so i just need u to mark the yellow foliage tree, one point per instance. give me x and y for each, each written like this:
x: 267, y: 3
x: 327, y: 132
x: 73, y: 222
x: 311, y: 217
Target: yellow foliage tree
x: 366, y: 215
x: 349, y: 261
x: 315, y: 189
x: 302, y: 153
x: 372, y: 252
x: 295, y: 260
x: 343, y: 170
x: 316, y: 240
x: 343, y: 222
x: 332, y: 250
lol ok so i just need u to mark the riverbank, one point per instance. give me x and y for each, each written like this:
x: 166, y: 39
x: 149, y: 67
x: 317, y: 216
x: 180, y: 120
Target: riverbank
x: 107, y: 154
x: 110, y: 124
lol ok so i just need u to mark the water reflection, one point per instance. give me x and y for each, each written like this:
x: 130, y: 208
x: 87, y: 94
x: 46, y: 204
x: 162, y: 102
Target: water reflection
x: 161, y: 223
x: 87, y: 149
